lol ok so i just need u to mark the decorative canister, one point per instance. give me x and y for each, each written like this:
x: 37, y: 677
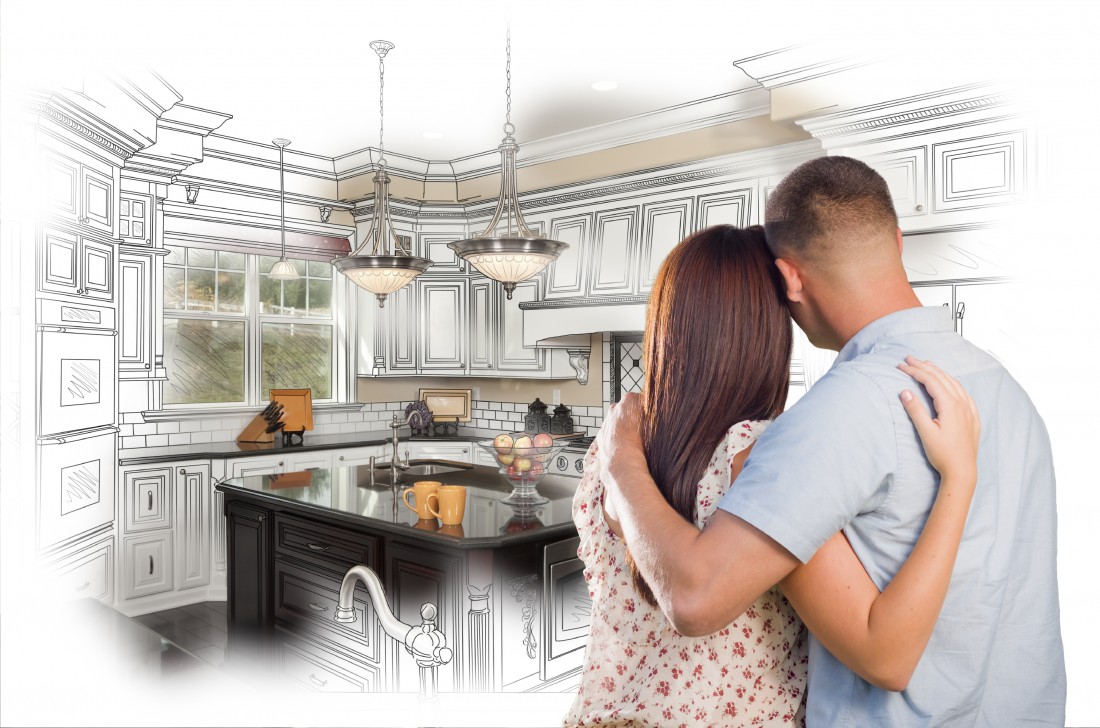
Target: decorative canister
x: 536, y: 420
x: 561, y: 423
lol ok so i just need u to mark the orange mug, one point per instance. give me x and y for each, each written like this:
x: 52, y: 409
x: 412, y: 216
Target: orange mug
x: 451, y: 502
x: 421, y: 490
x: 455, y: 530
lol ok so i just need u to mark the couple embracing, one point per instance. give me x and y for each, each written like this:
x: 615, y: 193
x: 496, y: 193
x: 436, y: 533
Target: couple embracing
x: 881, y: 554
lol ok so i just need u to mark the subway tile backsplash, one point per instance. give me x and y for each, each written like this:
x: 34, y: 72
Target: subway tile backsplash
x: 134, y: 432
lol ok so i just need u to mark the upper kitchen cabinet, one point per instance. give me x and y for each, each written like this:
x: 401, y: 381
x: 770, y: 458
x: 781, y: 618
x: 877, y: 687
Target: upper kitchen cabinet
x: 568, y: 275
x: 664, y: 225
x: 484, y: 313
x: 80, y: 189
x: 434, y: 244
x: 614, y: 252
x: 732, y: 207
x: 72, y: 264
x: 442, y: 326
x: 135, y: 216
x: 906, y: 174
x: 515, y: 359
x: 399, y: 331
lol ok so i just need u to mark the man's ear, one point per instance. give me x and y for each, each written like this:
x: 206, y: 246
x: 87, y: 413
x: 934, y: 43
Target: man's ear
x: 791, y: 279
x: 900, y: 243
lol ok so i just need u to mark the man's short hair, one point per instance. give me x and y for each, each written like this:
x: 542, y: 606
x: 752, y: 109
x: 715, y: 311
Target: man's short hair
x: 828, y: 206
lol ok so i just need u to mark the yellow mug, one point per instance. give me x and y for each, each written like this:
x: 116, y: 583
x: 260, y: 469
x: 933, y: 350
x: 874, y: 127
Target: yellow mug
x: 421, y: 490
x: 451, y: 500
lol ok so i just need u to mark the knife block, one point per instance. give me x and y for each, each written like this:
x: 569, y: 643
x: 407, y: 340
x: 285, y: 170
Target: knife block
x: 256, y: 431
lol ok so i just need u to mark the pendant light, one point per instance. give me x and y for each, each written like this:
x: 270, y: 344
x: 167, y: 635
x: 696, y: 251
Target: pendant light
x: 283, y: 270
x: 515, y: 253
x: 381, y: 272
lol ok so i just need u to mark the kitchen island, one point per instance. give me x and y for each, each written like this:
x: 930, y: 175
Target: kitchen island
x: 507, y: 585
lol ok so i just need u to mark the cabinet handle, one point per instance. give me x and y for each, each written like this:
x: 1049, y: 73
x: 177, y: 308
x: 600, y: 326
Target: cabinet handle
x: 150, y: 500
x: 261, y: 518
x: 317, y: 607
x: 314, y: 679
x: 317, y: 547
x: 150, y: 564
x: 84, y: 586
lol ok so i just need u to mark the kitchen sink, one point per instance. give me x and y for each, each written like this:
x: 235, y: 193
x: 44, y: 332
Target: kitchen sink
x: 430, y: 469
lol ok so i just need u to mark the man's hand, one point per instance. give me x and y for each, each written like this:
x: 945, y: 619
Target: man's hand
x: 621, y: 451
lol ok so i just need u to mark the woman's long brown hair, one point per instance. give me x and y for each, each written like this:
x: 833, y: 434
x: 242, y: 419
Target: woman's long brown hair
x: 717, y: 351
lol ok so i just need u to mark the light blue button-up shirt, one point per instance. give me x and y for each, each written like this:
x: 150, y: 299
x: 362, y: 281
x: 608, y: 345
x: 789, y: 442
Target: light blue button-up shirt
x: 846, y: 456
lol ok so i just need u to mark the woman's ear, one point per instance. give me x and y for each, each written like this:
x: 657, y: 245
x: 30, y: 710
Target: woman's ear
x: 791, y: 279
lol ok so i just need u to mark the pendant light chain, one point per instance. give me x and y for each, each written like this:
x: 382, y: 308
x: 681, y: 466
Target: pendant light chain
x: 282, y: 209
x: 381, y: 109
x: 508, y: 128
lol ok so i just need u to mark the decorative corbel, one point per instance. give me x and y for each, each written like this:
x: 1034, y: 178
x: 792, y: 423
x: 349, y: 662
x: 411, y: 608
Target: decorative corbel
x: 325, y: 212
x: 192, y: 193
x: 578, y: 359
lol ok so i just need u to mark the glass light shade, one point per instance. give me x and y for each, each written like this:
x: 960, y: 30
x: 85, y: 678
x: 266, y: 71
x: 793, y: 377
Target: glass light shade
x: 509, y: 259
x: 381, y: 274
x: 283, y: 270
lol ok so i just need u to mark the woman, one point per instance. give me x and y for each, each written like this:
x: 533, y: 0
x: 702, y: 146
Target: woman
x: 719, y: 296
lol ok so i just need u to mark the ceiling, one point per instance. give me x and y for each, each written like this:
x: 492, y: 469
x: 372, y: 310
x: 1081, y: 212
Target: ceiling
x: 304, y: 70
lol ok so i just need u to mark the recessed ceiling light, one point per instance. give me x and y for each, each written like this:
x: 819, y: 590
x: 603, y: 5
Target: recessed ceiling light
x: 605, y: 85
x: 433, y: 135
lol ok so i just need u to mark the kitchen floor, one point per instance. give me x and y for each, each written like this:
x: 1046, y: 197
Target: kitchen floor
x: 199, y: 629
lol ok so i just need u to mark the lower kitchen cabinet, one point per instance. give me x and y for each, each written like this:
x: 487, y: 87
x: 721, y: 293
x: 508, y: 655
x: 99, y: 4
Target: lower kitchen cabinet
x: 85, y: 570
x: 459, y: 451
x: 167, y: 534
x: 314, y: 667
x: 248, y: 612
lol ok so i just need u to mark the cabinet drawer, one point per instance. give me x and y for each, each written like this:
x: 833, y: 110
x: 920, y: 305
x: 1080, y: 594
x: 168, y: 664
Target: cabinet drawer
x: 324, y: 671
x: 306, y: 602
x: 88, y: 573
x: 328, y: 546
x: 148, y: 499
x: 148, y: 564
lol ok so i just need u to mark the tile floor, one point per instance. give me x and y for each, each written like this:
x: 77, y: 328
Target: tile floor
x: 197, y: 628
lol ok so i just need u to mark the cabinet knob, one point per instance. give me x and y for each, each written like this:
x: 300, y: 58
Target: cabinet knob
x: 183, y: 471
x: 920, y: 208
x: 341, y: 457
x: 84, y: 586
x: 261, y: 518
x: 465, y: 450
x: 280, y: 463
x: 488, y: 366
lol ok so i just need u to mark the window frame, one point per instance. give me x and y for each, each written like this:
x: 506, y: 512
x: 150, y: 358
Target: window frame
x: 341, y: 321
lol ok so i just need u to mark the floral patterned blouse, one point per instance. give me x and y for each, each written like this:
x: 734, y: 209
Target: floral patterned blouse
x: 639, y: 671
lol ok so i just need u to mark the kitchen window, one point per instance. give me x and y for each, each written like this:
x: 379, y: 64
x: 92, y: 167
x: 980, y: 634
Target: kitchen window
x: 232, y: 333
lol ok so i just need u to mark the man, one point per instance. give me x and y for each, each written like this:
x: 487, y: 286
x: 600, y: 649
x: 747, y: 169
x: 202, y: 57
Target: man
x: 846, y: 457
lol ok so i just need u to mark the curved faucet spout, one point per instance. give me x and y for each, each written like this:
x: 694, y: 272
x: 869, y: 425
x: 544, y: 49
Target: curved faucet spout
x: 424, y: 642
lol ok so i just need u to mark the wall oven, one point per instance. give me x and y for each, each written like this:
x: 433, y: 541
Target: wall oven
x: 76, y: 415
x: 568, y: 610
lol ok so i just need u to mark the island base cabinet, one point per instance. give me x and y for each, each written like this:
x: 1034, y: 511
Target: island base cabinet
x: 248, y: 611
x: 316, y: 668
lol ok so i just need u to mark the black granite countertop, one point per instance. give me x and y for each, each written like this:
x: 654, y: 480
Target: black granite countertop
x: 231, y: 449
x: 344, y: 495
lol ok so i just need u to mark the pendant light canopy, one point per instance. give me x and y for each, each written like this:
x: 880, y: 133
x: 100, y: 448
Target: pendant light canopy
x: 283, y: 270
x: 385, y: 269
x: 511, y: 253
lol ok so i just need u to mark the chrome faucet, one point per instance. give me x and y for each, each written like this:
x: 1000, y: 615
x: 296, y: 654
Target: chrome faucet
x: 425, y: 643
x: 396, y: 464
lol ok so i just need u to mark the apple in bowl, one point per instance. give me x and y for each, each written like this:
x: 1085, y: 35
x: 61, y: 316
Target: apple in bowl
x: 503, y: 443
x: 523, y: 446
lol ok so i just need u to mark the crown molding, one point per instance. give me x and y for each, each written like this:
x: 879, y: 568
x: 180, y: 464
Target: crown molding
x: 93, y: 129
x: 978, y: 101
x: 798, y: 63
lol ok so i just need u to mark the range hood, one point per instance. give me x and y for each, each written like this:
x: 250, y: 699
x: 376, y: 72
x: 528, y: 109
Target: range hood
x: 569, y: 323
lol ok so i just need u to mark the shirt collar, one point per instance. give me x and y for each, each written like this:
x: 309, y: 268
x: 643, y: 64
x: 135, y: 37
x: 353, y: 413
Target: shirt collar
x: 918, y: 320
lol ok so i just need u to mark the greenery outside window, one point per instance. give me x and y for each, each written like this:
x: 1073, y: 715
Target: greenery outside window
x: 231, y: 333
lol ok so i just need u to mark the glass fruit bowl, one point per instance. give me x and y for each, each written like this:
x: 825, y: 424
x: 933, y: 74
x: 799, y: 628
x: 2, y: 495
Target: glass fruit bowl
x: 522, y: 461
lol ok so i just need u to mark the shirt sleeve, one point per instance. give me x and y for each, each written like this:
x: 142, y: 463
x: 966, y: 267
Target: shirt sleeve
x: 821, y: 463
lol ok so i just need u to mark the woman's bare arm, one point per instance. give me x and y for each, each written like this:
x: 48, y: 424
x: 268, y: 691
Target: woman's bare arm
x: 881, y: 636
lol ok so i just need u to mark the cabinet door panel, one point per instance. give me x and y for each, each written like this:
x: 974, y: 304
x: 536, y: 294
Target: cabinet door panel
x: 147, y: 562
x: 97, y: 203
x: 134, y: 308
x: 148, y: 495
x: 318, y: 669
x: 89, y: 573
x: 193, y: 537
x: 401, y: 335
x: 246, y: 467
x: 134, y: 216
x: 726, y: 208
x: 60, y: 179
x: 614, y: 250
x: 981, y: 312
x: 568, y: 273
x: 248, y: 612
x: 483, y: 328
x: 60, y: 256
x: 98, y: 264
x: 906, y: 176
x: 415, y: 575
x: 666, y: 225
x: 513, y: 355
x: 435, y: 246
x: 979, y: 172
x: 442, y: 325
